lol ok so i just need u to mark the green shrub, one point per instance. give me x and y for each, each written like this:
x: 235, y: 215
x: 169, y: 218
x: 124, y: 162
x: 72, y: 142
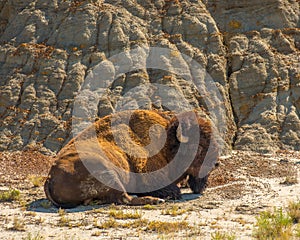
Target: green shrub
x: 222, y: 236
x: 294, y: 211
x: 9, y: 195
x: 273, y: 225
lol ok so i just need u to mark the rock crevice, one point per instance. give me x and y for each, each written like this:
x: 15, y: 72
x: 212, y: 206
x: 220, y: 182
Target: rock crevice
x: 49, y: 48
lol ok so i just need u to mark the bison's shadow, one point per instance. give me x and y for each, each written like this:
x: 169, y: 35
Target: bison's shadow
x: 189, y: 197
x: 43, y: 205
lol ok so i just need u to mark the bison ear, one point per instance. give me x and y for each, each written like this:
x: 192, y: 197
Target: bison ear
x: 181, y: 138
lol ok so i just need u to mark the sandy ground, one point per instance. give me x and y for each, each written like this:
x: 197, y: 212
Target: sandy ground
x: 244, y: 184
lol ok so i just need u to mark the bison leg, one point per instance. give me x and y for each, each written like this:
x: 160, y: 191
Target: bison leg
x: 121, y: 196
x: 196, y: 184
x: 171, y: 191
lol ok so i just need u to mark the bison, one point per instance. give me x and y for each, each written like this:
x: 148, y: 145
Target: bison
x: 71, y: 182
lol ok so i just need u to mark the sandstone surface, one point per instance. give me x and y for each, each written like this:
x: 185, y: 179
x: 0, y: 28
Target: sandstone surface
x: 49, y: 51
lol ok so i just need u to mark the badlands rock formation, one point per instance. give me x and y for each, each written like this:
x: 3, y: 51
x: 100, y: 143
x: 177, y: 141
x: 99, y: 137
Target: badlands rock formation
x: 49, y: 49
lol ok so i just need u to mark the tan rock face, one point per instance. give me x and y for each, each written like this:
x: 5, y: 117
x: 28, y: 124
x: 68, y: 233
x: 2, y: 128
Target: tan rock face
x: 251, y: 50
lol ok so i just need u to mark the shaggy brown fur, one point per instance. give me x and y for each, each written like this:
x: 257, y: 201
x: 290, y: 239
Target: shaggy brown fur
x: 69, y: 182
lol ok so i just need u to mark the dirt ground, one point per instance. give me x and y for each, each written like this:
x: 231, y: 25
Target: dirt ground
x: 244, y: 184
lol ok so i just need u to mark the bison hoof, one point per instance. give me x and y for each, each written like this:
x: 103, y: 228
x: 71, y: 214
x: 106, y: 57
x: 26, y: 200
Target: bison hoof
x: 146, y: 200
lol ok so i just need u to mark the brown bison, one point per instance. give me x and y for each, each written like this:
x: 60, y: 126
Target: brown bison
x: 145, y: 142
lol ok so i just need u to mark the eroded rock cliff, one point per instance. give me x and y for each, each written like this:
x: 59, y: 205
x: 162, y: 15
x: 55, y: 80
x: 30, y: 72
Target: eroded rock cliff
x: 251, y: 51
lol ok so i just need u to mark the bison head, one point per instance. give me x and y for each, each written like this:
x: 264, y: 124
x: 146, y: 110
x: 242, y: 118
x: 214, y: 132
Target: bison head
x: 197, y: 134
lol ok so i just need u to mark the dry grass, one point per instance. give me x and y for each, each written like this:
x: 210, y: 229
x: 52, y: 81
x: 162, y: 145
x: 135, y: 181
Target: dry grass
x: 64, y: 221
x: 173, y: 211
x: 273, y: 225
x: 37, y: 181
x: 110, y: 223
x: 32, y: 214
x: 222, y: 236
x: 149, y: 207
x: 36, y: 236
x: 18, y: 224
x: 9, y: 195
x: 46, y: 204
x: 167, y: 227
x: 297, y: 231
x: 116, y: 220
x: 293, y: 210
x: 96, y: 234
x: 61, y: 212
x: 290, y: 180
x: 160, y: 227
x: 120, y: 214
x: 137, y: 224
x: 277, y: 224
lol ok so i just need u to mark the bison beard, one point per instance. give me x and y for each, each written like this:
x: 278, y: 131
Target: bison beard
x: 69, y: 182
x: 197, y: 184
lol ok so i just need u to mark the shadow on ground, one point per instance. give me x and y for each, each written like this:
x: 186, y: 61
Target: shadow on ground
x: 45, y: 206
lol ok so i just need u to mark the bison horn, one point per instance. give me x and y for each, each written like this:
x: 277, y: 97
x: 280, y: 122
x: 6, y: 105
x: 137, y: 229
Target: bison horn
x: 180, y: 137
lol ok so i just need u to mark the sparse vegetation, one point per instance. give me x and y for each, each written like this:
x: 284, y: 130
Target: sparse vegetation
x: 240, y: 220
x: 138, y: 224
x: 23, y: 204
x: 96, y: 234
x: 36, y: 236
x: 155, y: 226
x: 61, y: 212
x: 290, y: 180
x: 222, y: 236
x: 149, y: 207
x: 193, y: 233
x: 98, y: 210
x: 120, y: 214
x: 46, y: 204
x: 82, y: 222
x: 297, y: 231
x: 173, y: 211
x: 32, y: 214
x: 114, y: 221
x: 39, y: 220
x: 273, y: 225
x: 294, y: 211
x: 37, y: 181
x: 9, y: 195
x: 278, y: 224
x: 18, y: 224
x: 110, y: 223
x: 63, y: 221
x: 167, y: 227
